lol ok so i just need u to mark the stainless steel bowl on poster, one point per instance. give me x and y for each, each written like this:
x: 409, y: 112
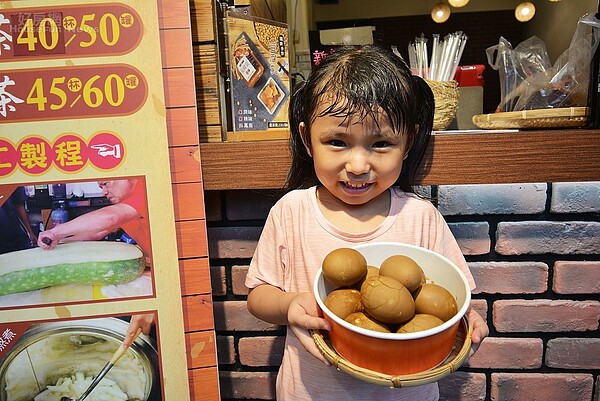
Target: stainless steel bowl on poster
x: 58, y: 359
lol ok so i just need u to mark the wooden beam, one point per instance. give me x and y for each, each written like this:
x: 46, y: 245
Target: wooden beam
x: 452, y: 158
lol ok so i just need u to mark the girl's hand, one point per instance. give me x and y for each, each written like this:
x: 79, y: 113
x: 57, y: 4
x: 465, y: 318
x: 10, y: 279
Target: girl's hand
x: 480, y: 330
x: 303, y: 316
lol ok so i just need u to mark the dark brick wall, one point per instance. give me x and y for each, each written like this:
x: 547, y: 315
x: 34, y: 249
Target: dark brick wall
x: 534, y: 250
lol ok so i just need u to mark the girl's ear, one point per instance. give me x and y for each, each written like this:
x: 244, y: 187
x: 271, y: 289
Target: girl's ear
x: 305, y: 139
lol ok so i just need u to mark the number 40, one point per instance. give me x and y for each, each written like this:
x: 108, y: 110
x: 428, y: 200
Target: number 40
x: 27, y: 35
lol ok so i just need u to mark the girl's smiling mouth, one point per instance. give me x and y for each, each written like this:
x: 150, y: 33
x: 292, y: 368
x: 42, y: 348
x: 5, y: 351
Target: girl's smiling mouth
x: 358, y: 186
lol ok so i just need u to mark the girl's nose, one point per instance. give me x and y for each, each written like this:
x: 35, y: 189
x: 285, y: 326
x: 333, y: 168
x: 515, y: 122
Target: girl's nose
x: 358, y: 162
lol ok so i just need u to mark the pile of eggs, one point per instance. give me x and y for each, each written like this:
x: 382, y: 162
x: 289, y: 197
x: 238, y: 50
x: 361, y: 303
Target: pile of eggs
x: 394, y: 298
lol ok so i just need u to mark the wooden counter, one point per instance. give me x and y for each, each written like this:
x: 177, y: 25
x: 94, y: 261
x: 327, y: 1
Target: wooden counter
x: 455, y: 158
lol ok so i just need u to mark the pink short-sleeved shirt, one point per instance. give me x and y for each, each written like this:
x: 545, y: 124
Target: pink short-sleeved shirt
x: 295, y: 240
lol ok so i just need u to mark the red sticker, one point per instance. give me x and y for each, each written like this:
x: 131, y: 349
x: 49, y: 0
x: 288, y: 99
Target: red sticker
x: 70, y: 153
x: 106, y: 151
x: 10, y: 334
x: 35, y: 155
x: 8, y: 158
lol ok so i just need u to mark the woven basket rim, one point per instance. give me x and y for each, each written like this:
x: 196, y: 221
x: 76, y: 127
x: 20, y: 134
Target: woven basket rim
x: 539, y: 118
x: 456, y: 358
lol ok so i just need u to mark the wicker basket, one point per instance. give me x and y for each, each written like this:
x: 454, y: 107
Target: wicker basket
x: 567, y: 117
x: 445, y: 95
x: 458, y: 355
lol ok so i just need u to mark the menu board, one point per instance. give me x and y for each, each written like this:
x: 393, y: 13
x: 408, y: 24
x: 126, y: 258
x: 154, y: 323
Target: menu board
x: 259, y: 76
x: 88, y: 250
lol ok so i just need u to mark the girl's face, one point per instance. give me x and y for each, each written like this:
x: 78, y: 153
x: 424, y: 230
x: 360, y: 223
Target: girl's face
x: 355, y: 158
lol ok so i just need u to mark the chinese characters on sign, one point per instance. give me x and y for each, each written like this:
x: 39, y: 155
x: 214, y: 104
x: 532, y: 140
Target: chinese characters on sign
x: 73, y: 92
x: 7, y: 99
x: 69, y: 153
x: 5, y: 338
x: 71, y: 31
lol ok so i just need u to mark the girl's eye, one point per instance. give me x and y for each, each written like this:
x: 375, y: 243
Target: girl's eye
x: 337, y: 143
x: 382, y: 144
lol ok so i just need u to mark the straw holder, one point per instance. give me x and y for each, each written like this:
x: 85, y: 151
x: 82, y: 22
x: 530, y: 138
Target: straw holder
x: 445, y: 95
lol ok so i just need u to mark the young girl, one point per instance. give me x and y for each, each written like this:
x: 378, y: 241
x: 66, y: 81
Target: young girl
x: 359, y: 128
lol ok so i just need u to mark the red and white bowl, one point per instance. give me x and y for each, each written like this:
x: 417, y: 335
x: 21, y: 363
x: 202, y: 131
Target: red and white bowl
x: 399, y: 353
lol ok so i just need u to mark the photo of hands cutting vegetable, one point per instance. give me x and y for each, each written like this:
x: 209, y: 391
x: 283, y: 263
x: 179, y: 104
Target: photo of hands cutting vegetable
x: 92, y: 242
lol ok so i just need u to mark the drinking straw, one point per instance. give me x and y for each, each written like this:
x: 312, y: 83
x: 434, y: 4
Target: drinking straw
x: 463, y: 42
x: 434, y: 57
x: 412, y: 58
x: 425, y: 57
x: 453, y: 46
x: 445, y: 56
x: 443, y: 59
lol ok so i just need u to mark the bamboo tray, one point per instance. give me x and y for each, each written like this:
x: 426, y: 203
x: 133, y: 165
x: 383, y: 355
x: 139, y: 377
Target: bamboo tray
x: 568, y: 117
x: 459, y: 353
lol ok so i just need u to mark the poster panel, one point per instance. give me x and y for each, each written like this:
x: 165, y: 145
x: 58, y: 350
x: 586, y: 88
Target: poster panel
x: 87, y: 232
x: 259, y: 76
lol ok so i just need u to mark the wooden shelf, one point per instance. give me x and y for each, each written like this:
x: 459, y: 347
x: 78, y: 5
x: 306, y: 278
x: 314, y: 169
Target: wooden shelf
x: 453, y: 158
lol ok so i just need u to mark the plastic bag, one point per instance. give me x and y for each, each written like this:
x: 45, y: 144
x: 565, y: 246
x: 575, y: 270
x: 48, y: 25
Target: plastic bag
x: 528, y: 79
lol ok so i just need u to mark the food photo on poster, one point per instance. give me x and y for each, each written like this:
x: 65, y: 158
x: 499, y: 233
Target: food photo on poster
x: 259, y: 76
x: 74, y: 241
x: 48, y: 361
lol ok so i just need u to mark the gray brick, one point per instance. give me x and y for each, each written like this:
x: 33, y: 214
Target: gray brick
x: 245, y: 385
x: 576, y: 277
x: 573, y: 353
x: 423, y: 190
x: 492, y: 199
x: 541, y: 237
x: 233, y: 242
x: 472, y: 237
x: 226, y: 350
x: 249, y: 205
x: 575, y: 197
x: 218, y: 280
x: 463, y: 386
x: 510, y: 277
x: 212, y: 205
x: 234, y: 316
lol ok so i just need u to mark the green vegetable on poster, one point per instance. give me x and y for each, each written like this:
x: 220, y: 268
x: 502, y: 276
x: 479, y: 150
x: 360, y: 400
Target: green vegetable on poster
x: 89, y: 262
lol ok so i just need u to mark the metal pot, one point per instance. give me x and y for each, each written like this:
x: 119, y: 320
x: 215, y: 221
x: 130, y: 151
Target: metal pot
x: 28, y: 365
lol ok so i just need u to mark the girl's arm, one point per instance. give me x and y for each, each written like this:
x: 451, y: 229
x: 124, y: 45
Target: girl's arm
x: 299, y: 310
x: 270, y: 303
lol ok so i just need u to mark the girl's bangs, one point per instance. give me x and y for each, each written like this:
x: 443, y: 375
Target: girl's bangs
x: 364, y: 102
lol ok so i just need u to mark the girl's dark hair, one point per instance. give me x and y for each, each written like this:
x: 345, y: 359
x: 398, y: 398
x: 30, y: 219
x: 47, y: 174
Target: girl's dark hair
x: 361, y: 80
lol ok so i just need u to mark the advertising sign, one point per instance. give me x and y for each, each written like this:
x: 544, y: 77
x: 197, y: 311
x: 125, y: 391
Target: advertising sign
x: 259, y: 76
x: 88, y: 252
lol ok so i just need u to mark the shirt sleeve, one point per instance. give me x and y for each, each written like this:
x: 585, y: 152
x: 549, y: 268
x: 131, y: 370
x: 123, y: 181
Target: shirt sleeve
x: 270, y: 256
x: 137, y: 200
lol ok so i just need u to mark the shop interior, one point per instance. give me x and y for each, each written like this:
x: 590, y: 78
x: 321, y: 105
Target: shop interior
x: 49, y: 204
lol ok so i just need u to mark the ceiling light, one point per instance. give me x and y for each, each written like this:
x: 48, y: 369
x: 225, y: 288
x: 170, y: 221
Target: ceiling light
x: 462, y: 3
x: 440, y: 13
x: 525, y: 11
